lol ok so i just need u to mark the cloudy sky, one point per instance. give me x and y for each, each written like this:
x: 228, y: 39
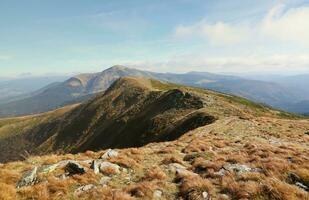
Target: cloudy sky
x: 231, y: 36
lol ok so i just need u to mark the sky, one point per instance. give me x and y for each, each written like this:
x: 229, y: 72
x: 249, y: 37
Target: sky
x: 223, y: 36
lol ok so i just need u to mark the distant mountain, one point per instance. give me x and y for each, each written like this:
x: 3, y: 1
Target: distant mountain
x: 18, y: 88
x: 299, y: 107
x: 83, y: 86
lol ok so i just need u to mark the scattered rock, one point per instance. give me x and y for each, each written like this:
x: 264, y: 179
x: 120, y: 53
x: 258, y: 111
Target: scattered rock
x: 104, y: 180
x: 74, y: 168
x: 185, y: 173
x: 109, y: 154
x: 28, y: 178
x: 157, y: 194
x: 95, y: 166
x: 84, y: 188
x: 295, y: 179
x: 302, y: 186
x: 205, y: 195
x: 221, y: 172
x: 48, y: 168
x: 238, y: 168
x: 174, y: 166
x: 113, y: 166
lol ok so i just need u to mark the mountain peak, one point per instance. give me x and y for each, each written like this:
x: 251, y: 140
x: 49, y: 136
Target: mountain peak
x: 118, y: 67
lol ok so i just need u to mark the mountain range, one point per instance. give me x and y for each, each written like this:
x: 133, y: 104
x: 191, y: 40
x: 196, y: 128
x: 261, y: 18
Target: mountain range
x: 82, y: 87
x: 167, y: 141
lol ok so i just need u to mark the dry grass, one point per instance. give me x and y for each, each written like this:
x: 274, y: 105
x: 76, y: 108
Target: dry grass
x: 155, y: 173
x: 7, y: 192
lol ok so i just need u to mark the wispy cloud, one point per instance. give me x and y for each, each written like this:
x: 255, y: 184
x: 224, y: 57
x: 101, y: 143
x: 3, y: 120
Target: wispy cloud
x: 279, y: 24
x: 250, y: 63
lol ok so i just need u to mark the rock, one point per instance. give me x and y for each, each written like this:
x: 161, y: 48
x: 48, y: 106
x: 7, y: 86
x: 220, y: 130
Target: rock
x: 205, y: 195
x: 74, y: 168
x: 115, y: 167
x: 104, y: 180
x: 302, y: 186
x: 157, y: 194
x: 48, y: 168
x: 295, y: 179
x: 175, y: 166
x: 63, y: 163
x: 95, y: 166
x: 221, y: 172
x: 238, y: 168
x: 28, y: 178
x: 84, y: 188
x: 185, y: 173
x: 109, y: 154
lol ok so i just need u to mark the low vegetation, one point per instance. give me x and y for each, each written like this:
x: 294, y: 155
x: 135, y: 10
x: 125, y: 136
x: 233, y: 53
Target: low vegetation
x: 240, y: 155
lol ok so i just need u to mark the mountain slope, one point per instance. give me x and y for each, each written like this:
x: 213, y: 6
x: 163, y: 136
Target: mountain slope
x: 200, y: 144
x: 132, y: 112
x: 82, y: 87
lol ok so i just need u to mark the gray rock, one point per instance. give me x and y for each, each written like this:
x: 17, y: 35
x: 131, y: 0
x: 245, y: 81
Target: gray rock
x: 48, y: 168
x: 185, y: 173
x: 205, y: 195
x: 28, y: 178
x: 103, y: 165
x: 239, y: 169
x: 74, y: 168
x: 157, y: 194
x: 302, y: 186
x: 95, y: 166
x: 109, y: 154
x: 84, y: 188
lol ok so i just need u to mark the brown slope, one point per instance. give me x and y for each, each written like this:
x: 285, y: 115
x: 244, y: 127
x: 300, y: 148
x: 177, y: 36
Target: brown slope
x: 130, y: 113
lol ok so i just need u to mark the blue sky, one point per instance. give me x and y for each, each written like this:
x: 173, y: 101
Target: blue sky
x: 69, y: 36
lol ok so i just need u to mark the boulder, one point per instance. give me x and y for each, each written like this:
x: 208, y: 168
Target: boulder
x: 109, y: 154
x: 103, y: 165
x: 28, y: 178
x: 74, y: 168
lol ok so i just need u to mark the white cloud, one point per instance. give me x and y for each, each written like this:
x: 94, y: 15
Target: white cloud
x: 292, y: 25
x: 250, y: 63
x: 219, y: 33
x: 278, y: 24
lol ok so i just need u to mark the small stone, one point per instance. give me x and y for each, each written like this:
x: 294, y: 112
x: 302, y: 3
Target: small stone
x: 109, y: 154
x: 185, y: 173
x: 157, y: 194
x: 239, y: 169
x: 84, y: 188
x: 302, y: 186
x: 74, y: 168
x: 205, y: 195
x: 28, y: 179
x: 104, y: 180
x: 95, y: 167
